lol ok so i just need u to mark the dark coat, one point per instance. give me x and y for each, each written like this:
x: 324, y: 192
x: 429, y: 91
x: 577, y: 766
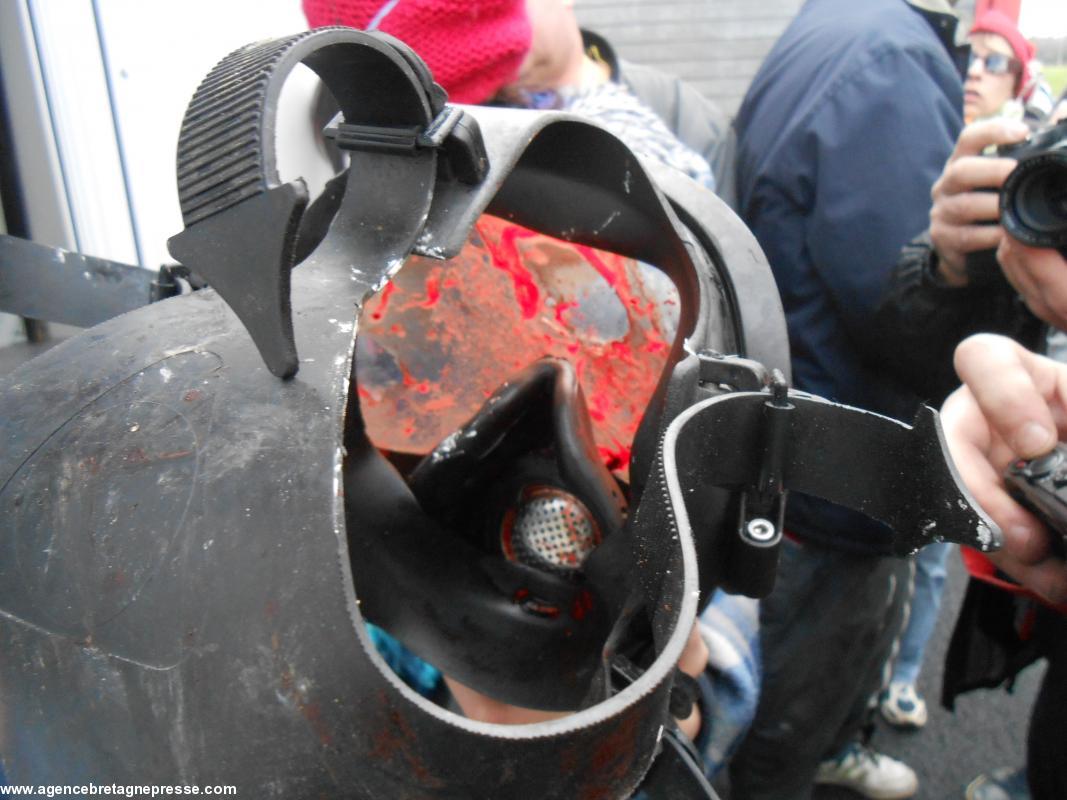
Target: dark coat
x: 843, y: 132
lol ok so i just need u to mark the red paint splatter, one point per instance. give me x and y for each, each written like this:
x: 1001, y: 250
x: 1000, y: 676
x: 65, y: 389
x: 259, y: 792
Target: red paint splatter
x: 516, y: 298
x: 383, y: 302
x: 582, y: 605
x: 506, y: 257
x: 433, y: 291
x: 609, y: 274
x: 560, y: 308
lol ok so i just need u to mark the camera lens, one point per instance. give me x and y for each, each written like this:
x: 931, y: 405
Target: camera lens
x: 1034, y: 202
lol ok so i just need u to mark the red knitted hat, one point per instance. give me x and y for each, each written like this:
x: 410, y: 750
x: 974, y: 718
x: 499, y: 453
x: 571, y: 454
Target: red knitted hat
x: 994, y: 21
x: 473, y: 47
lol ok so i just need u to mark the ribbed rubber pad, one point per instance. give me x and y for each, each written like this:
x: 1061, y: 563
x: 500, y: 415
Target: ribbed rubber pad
x: 220, y: 146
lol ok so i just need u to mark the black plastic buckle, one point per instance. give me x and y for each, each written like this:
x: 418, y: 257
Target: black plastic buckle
x: 452, y: 131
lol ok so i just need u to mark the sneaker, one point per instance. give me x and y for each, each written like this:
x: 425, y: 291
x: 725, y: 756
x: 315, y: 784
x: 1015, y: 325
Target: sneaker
x: 902, y: 706
x: 1000, y: 784
x: 871, y: 774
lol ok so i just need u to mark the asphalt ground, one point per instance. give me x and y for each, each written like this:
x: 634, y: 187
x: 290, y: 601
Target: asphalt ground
x: 987, y: 729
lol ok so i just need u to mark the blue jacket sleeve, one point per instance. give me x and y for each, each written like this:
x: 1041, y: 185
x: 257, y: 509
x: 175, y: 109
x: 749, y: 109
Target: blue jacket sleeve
x: 880, y: 140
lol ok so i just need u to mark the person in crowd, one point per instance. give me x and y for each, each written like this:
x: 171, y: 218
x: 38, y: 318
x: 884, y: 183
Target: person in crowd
x: 997, y: 78
x: 962, y: 275
x: 966, y: 276
x: 845, y: 128
x: 1013, y: 404
x: 998, y: 71
x: 532, y: 54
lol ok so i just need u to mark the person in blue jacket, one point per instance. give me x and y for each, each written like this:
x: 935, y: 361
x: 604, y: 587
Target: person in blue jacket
x: 841, y: 135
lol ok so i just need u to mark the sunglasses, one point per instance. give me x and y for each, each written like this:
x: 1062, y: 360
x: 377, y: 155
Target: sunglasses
x: 996, y: 63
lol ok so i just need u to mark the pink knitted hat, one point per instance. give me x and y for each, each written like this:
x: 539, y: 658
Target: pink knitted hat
x: 994, y: 21
x: 473, y: 47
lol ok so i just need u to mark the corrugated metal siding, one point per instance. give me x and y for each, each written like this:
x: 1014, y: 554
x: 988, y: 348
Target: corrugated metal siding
x: 717, y: 45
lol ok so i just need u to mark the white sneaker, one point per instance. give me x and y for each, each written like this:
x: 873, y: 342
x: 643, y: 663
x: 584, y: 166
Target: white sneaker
x: 872, y: 774
x: 902, y: 706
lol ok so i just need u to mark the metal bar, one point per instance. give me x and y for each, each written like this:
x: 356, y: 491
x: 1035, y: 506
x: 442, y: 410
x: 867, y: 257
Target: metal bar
x: 49, y: 283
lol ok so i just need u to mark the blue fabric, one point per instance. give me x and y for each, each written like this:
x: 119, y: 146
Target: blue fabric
x: 926, y: 593
x: 843, y: 132
x: 730, y: 684
x: 421, y: 676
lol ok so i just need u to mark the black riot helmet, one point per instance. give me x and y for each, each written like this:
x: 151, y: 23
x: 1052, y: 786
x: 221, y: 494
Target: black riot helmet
x: 198, y: 518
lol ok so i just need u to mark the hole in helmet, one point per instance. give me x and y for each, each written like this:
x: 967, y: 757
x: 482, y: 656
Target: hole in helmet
x: 506, y: 385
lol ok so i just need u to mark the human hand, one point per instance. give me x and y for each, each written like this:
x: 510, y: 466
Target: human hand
x: 477, y: 706
x: 693, y: 661
x: 1039, y: 275
x: 1013, y: 404
x: 963, y: 207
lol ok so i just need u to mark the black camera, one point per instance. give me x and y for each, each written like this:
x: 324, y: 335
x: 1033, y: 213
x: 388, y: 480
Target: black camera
x: 1033, y: 200
x: 1040, y: 485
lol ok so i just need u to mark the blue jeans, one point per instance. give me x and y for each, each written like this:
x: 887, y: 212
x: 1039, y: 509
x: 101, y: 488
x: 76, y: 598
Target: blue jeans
x: 925, y: 604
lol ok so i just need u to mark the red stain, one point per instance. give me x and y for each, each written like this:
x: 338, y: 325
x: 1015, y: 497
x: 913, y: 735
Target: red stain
x: 192, y: 395
x: 441, y: 403
x: 613, y: 759
x: 615, y: 458
x: 433, y: 291
x: 397, y: 746
x: 561, y: 307
x: 383, y: 301
x: 515, y: 296
x: 609, y: 274
x: 541, y: 609
x: 313, y: 714
x: 506, y: 257
x: 582, y: 604
x: 309, y: 711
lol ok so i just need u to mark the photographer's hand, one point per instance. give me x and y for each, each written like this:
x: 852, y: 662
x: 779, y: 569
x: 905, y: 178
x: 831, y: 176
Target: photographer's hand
x: 1039, y: 275
x: 963, y: 205
x: 1013, y: 404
